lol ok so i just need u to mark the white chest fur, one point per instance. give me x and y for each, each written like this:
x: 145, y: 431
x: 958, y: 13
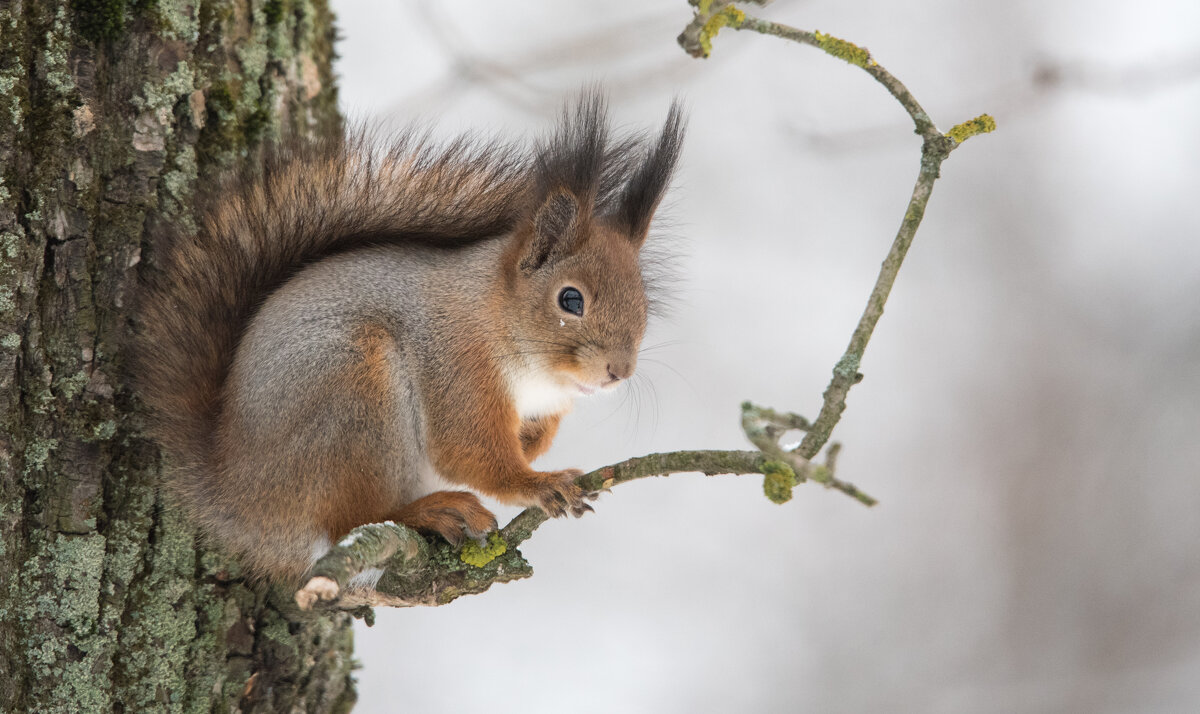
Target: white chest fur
x: 536, y: 393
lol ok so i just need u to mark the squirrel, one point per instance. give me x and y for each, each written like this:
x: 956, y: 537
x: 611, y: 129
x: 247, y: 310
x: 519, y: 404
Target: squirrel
x: 351, y: 336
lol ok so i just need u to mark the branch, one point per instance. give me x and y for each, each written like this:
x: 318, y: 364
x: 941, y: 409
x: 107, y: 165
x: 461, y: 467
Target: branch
x: 420, y: 572
x: 417, y: 571
x: 696, y: 39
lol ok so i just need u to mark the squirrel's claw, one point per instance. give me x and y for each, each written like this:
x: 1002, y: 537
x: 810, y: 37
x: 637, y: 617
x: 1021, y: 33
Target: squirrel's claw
x: 561, y: 495
x: 479, y: 530
x: 480, y: 540
x: 581, y: 509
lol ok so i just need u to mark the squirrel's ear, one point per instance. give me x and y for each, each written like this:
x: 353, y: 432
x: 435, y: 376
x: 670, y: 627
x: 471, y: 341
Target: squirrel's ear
x: 556, y: 227
x: 645, y: 189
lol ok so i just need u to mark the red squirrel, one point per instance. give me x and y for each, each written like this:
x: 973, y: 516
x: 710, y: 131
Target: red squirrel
x: 351, y: 335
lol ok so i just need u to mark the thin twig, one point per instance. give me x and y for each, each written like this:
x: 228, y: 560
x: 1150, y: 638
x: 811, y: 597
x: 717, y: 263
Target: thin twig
x: 711, y: 16
x: 709, y: 463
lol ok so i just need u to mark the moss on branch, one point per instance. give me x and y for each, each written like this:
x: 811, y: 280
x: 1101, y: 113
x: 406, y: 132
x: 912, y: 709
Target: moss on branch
x: 843, y: 50
x: 982, y: 124
x: 728, y: 16
x: 480, y: 555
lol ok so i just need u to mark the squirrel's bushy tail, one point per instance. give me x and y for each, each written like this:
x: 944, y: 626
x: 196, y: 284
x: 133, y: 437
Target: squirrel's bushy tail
x: 308, y: 200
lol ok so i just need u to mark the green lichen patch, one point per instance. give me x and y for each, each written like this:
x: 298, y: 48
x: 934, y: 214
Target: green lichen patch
x: 473, y: 554
x: 982, y: 124
x: 178, y: 184
x: 76, y: 563
x: 178, y: 20
x: 729, y: 16
x: 12, y: 89
x: 847, y: 366
x: 37, y: 453
x: 844, y: 49
x: 162, y: 95
x: 778, y: 481
x: 7, y: 304
x: 70, y: 387
x: 55, y: 67
x: 105, y: 430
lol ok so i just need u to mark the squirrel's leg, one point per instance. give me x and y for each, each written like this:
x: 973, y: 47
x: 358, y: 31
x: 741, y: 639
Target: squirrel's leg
x: 304, y: 460
x: 454, y: 515
x: 537, y: 433
x: 478, y: 444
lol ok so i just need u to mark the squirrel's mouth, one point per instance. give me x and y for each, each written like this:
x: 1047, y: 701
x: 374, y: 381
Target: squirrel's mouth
x: 585, y: 391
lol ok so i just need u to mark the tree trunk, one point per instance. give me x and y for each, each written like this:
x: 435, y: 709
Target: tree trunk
x: 111, y: 113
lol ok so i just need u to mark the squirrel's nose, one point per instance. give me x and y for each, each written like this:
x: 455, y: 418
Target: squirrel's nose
x: 620, y: 369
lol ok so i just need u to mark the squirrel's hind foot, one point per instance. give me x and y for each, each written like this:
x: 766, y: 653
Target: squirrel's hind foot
x: 453, y: 515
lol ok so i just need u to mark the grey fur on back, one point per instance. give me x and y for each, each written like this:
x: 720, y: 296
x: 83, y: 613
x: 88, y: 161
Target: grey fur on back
x: 304, y: 334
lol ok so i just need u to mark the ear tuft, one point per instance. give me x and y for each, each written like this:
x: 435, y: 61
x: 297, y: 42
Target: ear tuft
x: 649, y: 182
x: 572, y: 159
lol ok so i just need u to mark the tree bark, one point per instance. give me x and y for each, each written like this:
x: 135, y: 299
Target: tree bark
x: 111, y: 113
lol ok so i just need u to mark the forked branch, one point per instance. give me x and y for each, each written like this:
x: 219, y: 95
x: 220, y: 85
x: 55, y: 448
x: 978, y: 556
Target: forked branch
x: 418, y: 572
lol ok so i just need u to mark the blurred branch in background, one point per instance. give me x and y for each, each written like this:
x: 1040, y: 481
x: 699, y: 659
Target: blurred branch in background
x: 417, y: 572
x: 512, y: 80
x: 1046, y: 80
x: 1136, y: 79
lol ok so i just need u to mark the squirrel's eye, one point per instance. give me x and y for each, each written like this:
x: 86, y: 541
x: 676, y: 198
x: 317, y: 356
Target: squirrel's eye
x: 571, y: 300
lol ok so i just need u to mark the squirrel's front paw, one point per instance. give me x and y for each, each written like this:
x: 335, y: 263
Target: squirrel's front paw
x: 560, y: 494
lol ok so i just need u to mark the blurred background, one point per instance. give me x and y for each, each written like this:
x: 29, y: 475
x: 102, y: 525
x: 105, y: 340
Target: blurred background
x: 1032, y: 396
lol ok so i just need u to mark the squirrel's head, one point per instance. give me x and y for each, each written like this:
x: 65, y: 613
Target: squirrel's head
x: 576, y: 277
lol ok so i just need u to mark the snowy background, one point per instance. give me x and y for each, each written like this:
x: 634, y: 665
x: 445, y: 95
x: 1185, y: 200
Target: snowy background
x: 1031, y: 405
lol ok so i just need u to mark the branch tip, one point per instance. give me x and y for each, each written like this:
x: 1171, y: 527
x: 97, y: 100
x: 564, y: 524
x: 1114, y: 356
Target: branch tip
x: 982, y: 124
x: 727, y: 16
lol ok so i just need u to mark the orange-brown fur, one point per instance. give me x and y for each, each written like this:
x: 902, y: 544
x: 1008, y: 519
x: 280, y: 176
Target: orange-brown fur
x: 360, y: 491
x: 453, y: 515
x: 537, y: 434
